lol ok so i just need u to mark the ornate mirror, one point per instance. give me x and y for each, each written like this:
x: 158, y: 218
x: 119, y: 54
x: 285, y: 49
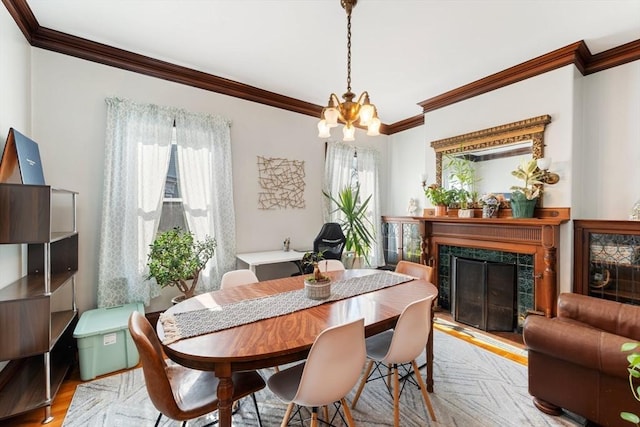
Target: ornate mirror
x: 495, y: 152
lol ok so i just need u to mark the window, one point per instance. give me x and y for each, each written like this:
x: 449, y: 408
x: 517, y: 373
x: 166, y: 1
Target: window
x: 172, y: 208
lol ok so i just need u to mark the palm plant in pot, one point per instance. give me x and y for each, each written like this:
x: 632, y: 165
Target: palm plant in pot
x: 355, y: 224
x: 525, y: 197
x: 176, y: 259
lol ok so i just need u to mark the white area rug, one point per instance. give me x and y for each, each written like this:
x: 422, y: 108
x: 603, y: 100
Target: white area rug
x: 473, y: 387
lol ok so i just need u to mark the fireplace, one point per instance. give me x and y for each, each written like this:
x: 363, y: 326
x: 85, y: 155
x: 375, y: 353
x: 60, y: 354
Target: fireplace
x: 483, y: 293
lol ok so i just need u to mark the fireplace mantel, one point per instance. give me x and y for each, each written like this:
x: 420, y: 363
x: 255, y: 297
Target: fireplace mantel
x: 538, y: 236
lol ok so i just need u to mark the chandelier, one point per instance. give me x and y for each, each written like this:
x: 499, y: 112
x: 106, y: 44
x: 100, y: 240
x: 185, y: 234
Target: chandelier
x: 348, y: 111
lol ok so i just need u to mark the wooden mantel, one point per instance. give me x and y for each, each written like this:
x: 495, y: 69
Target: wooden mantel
x: 539, y: 236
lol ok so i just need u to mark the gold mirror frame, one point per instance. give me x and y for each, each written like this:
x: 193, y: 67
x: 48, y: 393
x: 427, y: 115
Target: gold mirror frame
x: 512, y: 133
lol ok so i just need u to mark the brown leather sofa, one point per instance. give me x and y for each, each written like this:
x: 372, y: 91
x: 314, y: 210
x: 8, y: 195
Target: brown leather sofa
x: 575, y: 362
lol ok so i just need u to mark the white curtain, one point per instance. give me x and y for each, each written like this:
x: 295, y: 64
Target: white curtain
x: 137, y: 153
x: 341, y: 163
x: 206, y: 185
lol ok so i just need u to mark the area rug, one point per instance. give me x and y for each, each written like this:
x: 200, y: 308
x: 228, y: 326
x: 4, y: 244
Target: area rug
x: 473, y: 387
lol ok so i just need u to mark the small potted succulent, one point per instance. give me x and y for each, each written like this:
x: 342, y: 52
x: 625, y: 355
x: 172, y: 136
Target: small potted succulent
x: 176, y: 259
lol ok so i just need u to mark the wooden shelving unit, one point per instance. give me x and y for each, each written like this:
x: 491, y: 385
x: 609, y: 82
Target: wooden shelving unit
x: 36, y: 336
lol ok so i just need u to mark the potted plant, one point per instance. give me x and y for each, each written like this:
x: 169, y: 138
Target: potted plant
x: 463, y: 199
x: 524, y: 198
x: 440, y: 197
x: 317, y: 285
x: 176, y: 258
x: 463, y: 176
x: 355, y: 224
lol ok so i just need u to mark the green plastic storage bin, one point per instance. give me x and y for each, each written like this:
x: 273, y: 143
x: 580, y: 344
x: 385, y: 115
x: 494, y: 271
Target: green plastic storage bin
x: 104, y: 342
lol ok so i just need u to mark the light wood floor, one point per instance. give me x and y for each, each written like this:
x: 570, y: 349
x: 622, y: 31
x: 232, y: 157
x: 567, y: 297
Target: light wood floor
x: 58, y: 409
x: 65, y: 394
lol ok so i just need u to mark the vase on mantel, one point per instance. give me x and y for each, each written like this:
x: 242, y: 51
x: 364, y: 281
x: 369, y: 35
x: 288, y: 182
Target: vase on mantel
x: 523, y: 208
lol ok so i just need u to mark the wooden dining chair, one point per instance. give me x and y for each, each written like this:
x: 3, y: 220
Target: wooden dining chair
x: 414, y: 269
x: 178, y: 392
x: 237, y: 277
x: 331, y: 370
x: 399, y: 346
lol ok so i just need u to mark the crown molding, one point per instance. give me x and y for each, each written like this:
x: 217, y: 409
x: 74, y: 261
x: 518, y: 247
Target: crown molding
x: 56, y: 41
x: 576, y: 53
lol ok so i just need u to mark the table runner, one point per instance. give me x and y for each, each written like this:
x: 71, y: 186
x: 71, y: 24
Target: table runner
x: 203, y: 321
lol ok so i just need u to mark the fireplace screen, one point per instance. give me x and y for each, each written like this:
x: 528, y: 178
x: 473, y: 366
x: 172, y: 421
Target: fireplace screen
x: 484, y: 294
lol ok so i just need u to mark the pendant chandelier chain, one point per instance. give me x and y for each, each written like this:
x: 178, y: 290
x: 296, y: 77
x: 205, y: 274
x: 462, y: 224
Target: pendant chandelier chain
x: 351, y: 111
x: 349, y: 52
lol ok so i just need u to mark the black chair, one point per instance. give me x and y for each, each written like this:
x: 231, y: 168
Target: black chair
x: 330, y: 241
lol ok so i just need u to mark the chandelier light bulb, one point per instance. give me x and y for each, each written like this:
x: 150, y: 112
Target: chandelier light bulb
x: 348, y: 132
x: 331, y: 116
x: 367, y: 112
x: 323, y: 129
x: 374, y: 127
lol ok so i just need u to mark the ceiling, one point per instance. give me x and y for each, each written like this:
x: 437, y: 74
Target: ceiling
x: 403, y: 51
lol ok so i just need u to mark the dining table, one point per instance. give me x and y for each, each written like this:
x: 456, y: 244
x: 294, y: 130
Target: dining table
x: 286, y: 337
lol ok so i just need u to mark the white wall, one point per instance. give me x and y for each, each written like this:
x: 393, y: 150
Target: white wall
x: 551, y: 93
x: 15, y: 103
x: 610, y: 147
x: 593, y: 139
x: 69, y: 125
x: 407, y: 160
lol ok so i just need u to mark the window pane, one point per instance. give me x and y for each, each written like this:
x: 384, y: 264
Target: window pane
x: 172, y: 216
x: 172, y: 209
x: 171, y: 187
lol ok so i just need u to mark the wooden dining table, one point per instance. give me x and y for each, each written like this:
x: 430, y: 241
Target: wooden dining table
x: 286, y: 338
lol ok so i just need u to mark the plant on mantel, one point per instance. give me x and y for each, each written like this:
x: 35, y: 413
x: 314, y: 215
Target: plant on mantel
x: 439, y: 196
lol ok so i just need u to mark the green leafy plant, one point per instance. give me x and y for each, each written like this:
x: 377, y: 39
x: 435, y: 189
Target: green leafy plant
x: 532, y: 176
x: 634, y: 374
x: 462, y: 198
x: 176, y: 257
x: 355, y: 224
x: 440, y: 195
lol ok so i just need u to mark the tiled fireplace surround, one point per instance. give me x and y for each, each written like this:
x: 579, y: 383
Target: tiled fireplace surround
x: 532, y: 244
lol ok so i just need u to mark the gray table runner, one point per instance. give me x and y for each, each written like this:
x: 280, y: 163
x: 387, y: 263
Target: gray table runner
x: 188, y: 324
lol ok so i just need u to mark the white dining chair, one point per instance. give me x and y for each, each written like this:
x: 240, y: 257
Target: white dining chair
x: 399, y: 346
x: 331, y: 265
x: 331, y: 370
x: 237, y: 277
